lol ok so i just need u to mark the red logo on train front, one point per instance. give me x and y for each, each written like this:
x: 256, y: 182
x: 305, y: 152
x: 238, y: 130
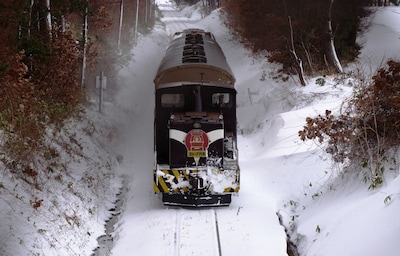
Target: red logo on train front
x: 196, y: 143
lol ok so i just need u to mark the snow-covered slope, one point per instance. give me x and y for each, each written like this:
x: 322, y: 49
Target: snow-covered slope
x: 324, y: 212
x: 60, y: 205
x: 280, y: 174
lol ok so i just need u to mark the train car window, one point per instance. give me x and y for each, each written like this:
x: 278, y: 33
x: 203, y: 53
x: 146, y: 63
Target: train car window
x: 222, y: 100
x: 172, y: 100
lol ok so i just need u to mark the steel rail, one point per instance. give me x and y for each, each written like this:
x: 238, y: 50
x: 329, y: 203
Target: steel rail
x: 217, y: 233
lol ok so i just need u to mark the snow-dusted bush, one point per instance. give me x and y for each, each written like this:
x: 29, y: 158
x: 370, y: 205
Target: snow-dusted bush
x: 366, y: 132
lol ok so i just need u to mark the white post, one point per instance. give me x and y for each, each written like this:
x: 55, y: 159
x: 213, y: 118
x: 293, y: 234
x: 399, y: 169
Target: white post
x: 101, y: 93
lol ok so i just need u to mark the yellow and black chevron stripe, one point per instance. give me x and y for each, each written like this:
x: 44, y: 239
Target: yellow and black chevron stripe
x: 171, y: 181
x: 168, y: 182
x: 232, y: 190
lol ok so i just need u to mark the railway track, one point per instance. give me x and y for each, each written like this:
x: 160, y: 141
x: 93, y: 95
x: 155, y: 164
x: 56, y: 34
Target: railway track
x: 197, y: 233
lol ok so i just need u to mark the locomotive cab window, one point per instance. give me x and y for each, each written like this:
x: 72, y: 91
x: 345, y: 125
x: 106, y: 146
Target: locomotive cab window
x: 172, y: 100
x: 222, y: 100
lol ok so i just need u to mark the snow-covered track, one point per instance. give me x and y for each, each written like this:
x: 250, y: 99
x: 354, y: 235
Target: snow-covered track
x: 201, y: 224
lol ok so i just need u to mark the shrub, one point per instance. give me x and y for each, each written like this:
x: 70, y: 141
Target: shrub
x: 367, y: 130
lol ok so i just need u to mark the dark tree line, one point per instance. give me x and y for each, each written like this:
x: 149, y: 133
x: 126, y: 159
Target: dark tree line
x: 46, y: 46
x: 314, y: 34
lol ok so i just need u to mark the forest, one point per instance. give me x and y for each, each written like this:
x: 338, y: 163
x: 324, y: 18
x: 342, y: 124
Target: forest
x: 307, y: 37
x: 52, y: 50
x: 50, y: 53
x: 66, y: 168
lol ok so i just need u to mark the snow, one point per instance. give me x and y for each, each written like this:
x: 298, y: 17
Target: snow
x: 325, y: 212
x: 380, y: 40
x: 64, y: 211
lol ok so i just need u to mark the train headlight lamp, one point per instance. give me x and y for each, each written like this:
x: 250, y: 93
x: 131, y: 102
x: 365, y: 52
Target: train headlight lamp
x: 172, y: 117
x: 221, y: 117
x: 197, y: 125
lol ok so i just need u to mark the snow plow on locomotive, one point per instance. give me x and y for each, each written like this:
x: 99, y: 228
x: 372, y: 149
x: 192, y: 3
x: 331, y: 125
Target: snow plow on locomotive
x: 196, y: 157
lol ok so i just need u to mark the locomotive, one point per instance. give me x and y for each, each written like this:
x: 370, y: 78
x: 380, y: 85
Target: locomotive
x: 195, y: 137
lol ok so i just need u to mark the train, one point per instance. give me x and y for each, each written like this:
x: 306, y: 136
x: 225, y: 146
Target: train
x: 195, y: 124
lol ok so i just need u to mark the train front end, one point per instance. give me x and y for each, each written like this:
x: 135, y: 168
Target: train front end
x: 195, y: 142
x: 203, y: 165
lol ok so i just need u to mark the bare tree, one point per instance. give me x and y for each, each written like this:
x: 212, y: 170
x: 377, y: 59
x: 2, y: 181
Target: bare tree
x: 43, y: 23
x: 48, y: 18
x: 330, y: 51
x: 146, y: 11
x: 137, y: 19
x: 299, y: 62
x: 121, y: 14
x: 30, y: 17
x: 84, y: 42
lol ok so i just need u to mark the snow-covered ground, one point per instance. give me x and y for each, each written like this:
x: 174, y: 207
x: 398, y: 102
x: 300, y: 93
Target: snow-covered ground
x: 149, y: 228
x: 324, y: 212
x: 60, y: 205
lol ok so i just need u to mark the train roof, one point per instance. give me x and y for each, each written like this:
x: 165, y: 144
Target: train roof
x: 194, y: 56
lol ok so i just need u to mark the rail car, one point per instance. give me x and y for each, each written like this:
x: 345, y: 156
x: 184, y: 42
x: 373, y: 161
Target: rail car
x: 195, y: 137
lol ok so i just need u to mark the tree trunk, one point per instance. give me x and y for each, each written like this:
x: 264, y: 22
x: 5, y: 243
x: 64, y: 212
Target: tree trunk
x: 330, y: 49
x: 44, y: 28
x: 299, y: 62
x: 63, y: 23
x: 48, y: 19
x: 30, y: 18
x: 136, y: 19
x: 147, y: 11
x: 121, y: 14
x: 84, y: 39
